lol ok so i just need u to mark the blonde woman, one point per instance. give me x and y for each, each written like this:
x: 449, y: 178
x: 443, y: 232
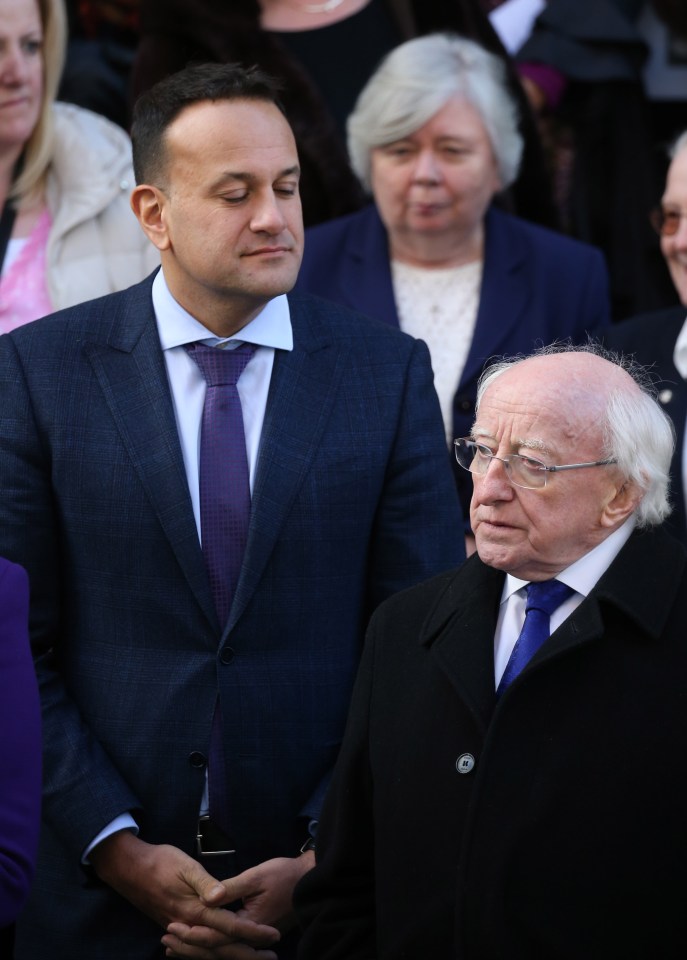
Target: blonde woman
x: 67, y: 232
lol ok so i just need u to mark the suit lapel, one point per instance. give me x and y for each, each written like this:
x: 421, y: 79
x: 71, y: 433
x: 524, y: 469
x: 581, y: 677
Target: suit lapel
x: 365, y: 271
x: 503, y: 295
x: 131, y: 371
x: 304, y: 386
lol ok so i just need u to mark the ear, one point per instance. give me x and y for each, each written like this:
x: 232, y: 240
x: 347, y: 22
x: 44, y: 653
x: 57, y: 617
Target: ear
x: 148, y: 204
x: 622, y: 502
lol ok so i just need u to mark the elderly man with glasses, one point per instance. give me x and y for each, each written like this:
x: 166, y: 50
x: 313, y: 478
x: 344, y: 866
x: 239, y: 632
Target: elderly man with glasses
x: 513, y: 781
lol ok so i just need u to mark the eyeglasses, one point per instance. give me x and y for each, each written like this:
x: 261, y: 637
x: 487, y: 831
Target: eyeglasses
x: 526, y: 472
x: 666, y: 223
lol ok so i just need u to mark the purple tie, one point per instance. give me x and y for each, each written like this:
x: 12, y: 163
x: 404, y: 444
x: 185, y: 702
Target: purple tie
x: 224, y: 482
x: 542, y: 599
x: 224, y: 511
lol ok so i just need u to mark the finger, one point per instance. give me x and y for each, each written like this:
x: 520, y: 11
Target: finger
x: 238, y: 928
x: 208, y: 888
x: 212, y: 935
x: 233, y: 951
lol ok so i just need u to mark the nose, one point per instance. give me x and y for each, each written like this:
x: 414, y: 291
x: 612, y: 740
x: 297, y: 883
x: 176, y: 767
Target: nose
x: 268, y: 216
x: 12, y: 64
x: 493, y: 485
x: 427, y: 169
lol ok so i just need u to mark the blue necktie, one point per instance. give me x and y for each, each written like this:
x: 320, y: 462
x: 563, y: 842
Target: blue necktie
x: 224, y: 513
x: 542, y: 599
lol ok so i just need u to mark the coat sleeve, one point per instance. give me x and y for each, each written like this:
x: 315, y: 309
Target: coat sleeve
x: 82, y: 790
x: 20, y: 746
x: 335, y: 902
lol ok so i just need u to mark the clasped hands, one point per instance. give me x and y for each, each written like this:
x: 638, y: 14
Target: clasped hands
x: 190, y: 904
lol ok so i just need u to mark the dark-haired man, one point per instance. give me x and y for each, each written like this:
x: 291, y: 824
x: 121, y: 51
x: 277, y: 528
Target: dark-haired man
x: 181, y: 680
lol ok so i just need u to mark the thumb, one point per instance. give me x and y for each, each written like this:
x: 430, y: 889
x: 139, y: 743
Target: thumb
x: 210, y: 890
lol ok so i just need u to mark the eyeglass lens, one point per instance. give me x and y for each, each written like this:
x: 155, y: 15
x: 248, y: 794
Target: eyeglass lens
x: 666, y: 222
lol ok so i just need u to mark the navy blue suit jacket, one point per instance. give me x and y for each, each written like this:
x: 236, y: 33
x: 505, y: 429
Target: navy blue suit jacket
x: 651, y: 339
x: 352, y: 500
x: 537, y: 286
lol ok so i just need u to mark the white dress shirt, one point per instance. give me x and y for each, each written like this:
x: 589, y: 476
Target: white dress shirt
x: 271, y: 330
x: 581, y: 576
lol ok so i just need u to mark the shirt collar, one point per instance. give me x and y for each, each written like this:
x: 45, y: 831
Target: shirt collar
x: 583, y: 574
x: 680, y: 352
x: 271, y: 327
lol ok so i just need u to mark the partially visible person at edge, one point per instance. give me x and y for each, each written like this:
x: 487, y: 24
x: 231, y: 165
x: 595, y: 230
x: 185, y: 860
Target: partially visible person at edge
x: 659, y: 339
x: 434, y: 136
x: 67, y: 233
x: 20, y: 750
x: 512, y: 781
x: 195, y: 649
x: 323, y: 54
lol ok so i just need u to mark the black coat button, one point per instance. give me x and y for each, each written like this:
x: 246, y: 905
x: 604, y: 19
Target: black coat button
x: 197, y: 759
x: 227, y: 654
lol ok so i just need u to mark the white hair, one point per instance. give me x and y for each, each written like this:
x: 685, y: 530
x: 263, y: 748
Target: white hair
x: 636, y: 431
x: 416, y: 80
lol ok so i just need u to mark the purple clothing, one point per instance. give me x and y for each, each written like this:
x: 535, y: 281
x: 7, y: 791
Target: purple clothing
x: 20, y: 745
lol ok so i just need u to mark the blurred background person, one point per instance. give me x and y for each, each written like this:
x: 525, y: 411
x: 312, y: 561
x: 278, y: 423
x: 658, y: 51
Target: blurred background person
x: 323, y: 52
x: 434, y: 136
x: 68, y: 233
x: 659, y: 340
x: 609, y: 80
x: 20, y: 751
x: 103, y: 37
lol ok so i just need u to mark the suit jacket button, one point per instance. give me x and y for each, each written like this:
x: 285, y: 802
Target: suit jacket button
x: 197, y: 759
x: 465, y: 763
x: 226, y: 655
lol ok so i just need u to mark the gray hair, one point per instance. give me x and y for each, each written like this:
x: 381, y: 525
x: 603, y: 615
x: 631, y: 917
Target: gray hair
x: 637, y: 433
x: 416, y: 80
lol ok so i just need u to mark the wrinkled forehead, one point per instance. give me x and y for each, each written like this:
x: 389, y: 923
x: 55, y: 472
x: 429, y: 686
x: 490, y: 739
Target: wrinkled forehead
x: 541, y: 408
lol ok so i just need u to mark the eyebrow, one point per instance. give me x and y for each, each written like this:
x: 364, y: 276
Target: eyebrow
x: 530, y: 443
x: 248, y: 177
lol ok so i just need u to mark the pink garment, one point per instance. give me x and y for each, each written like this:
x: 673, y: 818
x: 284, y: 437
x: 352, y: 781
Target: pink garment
x: 23, y: 288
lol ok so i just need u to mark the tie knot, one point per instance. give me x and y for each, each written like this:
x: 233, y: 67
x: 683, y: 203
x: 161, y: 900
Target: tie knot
x: 547, y: 595
x: 221, y: 367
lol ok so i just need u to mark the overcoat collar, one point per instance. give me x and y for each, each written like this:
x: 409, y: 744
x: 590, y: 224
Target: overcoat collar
x: 641, y: 584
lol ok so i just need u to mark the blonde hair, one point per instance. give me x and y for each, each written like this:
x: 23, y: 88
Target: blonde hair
x: 38, y: 148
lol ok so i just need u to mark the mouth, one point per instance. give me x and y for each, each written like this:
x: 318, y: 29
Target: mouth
x: 267, y: 251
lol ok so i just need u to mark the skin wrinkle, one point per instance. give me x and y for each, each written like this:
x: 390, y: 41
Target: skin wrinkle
x: 559, y: 400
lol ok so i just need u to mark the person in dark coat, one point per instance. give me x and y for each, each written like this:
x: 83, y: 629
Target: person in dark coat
x: 659, y: 339
x: 521, y: 795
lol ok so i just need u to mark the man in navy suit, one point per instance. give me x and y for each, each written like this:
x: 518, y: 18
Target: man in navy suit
x: 351, y: 500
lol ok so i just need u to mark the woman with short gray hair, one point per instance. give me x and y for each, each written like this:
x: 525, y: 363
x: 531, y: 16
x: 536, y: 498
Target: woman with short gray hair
x: 434, y: 138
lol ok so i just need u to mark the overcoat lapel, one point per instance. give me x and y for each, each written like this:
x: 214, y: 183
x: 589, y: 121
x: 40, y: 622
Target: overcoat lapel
x: 304, y: 386
x: 131, y: 371
x: 459, y: 633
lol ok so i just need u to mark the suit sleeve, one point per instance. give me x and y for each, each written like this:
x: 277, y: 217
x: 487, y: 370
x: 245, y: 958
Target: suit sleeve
x: 418, y: 530
x: 20, y: 746
x: 335, y: 902
x: 83, y: 791
x: 419, y: 524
